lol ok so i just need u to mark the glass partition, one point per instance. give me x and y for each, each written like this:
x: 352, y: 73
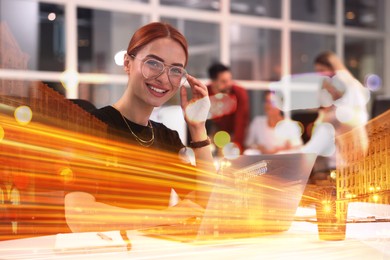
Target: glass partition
x: 32, y: 35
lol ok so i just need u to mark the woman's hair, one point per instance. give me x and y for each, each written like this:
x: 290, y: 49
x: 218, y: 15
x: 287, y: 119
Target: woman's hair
x: 323, y: 59
x: 154, y: 31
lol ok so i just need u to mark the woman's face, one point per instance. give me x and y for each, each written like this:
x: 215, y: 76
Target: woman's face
x: 155, y: 91
x: 321, y: 68
x: 270, y: 107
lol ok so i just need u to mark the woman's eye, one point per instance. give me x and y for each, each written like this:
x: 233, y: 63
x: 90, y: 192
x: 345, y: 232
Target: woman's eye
x: 176, y: 71
x: 154, y: 64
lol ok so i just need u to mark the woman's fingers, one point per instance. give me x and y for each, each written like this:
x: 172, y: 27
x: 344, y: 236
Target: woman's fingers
x: 195, y: 110
x: 198, y: 89
x: 183, y: 97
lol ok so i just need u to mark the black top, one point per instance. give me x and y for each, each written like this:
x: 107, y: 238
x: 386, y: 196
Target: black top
x: 165, y: 139
x: 137, y: 176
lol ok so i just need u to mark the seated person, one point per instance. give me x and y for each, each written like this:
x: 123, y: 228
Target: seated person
x: 229, y: 105
x: 154, y: 63
x: 262, y: 137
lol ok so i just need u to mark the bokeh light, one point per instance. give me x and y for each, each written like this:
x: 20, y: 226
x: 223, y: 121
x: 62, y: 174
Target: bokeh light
x: 373, y: 82
x: 69, y: 80
x: 23, y: 115
x: 333, y: 174
x: 221, y: 139
x: 187, y: 155
x: 198, y: 111
x: 375, y: 197
x: 221, y: 105
x: 325, y: 98
x: 119, y: 57
x: 327, y: 208
x: 231, y: 151
x: 51, y: 16
x: 288, y: 129
x: 344, y: 114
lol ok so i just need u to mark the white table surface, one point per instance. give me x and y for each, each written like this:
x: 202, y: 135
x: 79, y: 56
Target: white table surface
x: 363, y: 241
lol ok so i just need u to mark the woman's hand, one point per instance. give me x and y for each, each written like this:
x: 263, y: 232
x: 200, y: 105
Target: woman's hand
x: 195, y: 110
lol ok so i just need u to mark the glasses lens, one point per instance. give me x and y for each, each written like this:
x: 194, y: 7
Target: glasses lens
x: 177, y: 76
x: 152, y: 68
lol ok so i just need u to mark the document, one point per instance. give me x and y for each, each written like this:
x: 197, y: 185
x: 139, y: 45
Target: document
x: 85, y: 242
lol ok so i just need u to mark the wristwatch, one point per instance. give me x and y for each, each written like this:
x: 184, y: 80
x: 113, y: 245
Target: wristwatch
x: 200, y: 144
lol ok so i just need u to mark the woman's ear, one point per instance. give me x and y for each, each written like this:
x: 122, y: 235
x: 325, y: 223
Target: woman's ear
x: 126, y: 63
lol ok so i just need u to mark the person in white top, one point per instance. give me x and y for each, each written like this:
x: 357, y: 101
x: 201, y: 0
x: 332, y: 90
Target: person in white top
x: 343, y: 108
x: 262, y: 137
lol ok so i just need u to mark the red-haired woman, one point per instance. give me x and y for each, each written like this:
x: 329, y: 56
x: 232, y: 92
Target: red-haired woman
x: 155, y: 60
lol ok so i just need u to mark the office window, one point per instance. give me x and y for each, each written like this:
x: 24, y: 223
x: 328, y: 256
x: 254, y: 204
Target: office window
x: 204, y: 44
x: 101, y: 35
x: 101, y: 94
x: 364, y: 13
x: 103, y: 32
x: 33, y: 36
x: 364, y: 57
x: 199, y: 4
x: 318, y: 11
x: 305, y: 47
x: 255, y: 53
x: 268, y: 8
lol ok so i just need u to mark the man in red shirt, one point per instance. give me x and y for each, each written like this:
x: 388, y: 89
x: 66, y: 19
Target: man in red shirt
x: 229, y: 105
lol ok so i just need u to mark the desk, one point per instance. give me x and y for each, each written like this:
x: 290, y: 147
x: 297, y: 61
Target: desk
x: 363, y: 241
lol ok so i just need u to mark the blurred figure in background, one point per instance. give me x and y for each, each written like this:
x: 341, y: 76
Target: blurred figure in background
x: 263, y: 137
x: 229, y: 105
x: 343, y: 107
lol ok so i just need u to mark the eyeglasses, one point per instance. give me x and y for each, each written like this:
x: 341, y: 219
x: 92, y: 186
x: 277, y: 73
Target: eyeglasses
x: 152, y: 68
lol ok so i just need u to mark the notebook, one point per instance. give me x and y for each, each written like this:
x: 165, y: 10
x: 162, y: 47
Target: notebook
x: 253, y: 195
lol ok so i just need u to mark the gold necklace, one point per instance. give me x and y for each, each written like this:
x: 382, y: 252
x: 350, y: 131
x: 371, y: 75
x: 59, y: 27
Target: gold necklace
x: 145, y: 143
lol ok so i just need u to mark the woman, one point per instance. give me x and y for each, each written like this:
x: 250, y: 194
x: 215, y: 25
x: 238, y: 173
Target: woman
x: 343, y: 101
x: 262, y: 136
x: 154, y: 63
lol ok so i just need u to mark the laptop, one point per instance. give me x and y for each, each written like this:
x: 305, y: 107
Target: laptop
x: 253, y: 195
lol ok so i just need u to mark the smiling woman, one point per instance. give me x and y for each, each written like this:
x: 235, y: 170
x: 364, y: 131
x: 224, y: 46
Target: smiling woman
x: 154, y: 63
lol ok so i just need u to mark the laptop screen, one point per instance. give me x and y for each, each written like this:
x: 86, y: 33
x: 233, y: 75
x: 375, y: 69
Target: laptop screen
x: 255, y: 194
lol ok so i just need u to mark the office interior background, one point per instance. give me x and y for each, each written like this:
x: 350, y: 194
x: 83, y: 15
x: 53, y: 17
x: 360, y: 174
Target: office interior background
x: 76, y: 41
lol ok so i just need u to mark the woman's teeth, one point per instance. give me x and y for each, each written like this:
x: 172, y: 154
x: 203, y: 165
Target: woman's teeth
x: 157, y: 89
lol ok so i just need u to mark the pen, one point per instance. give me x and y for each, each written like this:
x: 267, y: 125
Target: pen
x: 126, y: 239
x: 104, y: 236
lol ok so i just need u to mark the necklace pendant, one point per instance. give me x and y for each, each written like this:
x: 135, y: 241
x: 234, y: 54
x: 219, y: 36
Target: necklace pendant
x: 142, y: 142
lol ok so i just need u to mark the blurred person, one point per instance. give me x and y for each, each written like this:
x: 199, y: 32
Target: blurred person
x: 154, y: 63
x: 229, y: 105
x: 343, y: 107
x: 262, y: 137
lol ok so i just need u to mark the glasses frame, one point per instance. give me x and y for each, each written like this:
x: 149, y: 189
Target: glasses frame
x: 165, y: 66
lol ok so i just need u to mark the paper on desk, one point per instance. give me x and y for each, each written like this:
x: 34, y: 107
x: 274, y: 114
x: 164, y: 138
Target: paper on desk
x: 89, y: 242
